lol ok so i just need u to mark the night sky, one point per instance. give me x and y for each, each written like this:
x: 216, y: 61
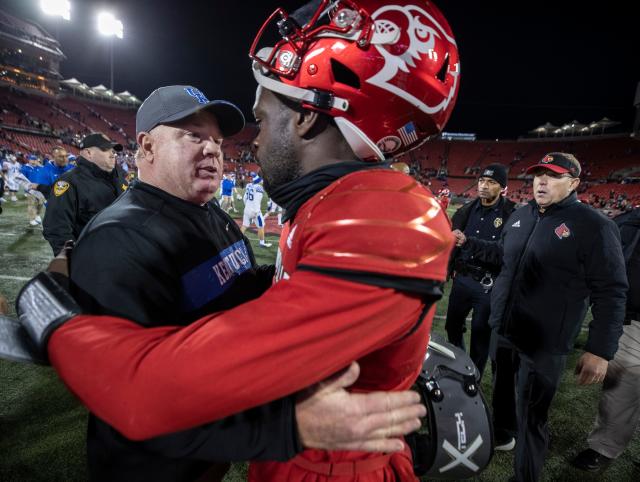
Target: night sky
x: 522, y: 63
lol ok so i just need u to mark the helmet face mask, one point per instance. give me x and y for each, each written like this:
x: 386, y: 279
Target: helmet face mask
x: 387, y: 73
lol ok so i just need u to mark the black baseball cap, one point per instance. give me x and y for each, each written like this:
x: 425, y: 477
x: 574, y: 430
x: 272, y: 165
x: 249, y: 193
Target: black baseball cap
x: 99, y: 140
x: 175, y: 102
x: 559, y: 162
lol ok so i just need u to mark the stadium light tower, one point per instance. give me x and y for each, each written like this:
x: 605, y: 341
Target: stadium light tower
x: 57, y: 8
x: 111, y: 27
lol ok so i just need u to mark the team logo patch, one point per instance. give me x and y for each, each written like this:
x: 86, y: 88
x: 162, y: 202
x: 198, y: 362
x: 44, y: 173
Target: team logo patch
x: 60, y: 187
x: 547, y: 159
x: 562, y: 231
x: 124, y: 187
x: 389, y: 144
x: 497, y: 222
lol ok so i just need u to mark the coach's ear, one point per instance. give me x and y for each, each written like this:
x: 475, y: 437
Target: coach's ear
x: 146, y: 144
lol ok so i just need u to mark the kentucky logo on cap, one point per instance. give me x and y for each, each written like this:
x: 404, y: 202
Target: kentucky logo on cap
x: 199, y: 96
x: 562, y: 231
x: 547, y: 159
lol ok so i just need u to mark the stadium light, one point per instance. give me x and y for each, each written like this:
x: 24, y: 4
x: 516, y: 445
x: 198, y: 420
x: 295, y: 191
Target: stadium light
x: 109, y: 25
x: 58, y: 8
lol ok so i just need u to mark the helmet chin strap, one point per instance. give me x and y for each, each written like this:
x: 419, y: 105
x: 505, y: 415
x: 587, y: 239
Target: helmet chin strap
x: 363, y: 147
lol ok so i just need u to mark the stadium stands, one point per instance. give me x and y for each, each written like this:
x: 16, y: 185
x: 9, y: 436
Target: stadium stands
x: 607, y: 160
x: 36, y: 122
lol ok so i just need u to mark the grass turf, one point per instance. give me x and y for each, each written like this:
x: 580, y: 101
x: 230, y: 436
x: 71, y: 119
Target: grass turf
x: 42, y: 426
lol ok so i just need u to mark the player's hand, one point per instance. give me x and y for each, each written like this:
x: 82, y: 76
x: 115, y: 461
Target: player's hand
x: 331, y: 418
x: 460, y: 237
x: 591, y: 369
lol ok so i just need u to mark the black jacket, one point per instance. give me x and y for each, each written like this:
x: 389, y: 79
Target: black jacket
x: 76, y: 197
x: 158, y: 260
x: 629, y: 225
x: 459, y: 221
x: 553, y: 264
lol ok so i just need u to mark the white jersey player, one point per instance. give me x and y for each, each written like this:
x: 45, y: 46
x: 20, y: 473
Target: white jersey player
x: 11, y: 168
x: 253, y: 194
x: 272, y: 207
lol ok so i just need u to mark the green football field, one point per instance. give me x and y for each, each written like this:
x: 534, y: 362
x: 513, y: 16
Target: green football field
x: 42, y: 426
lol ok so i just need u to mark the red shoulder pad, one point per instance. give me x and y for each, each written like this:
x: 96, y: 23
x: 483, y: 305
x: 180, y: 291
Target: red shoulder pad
x: 377, y: 221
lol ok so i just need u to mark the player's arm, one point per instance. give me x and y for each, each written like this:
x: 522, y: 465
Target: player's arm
x: 60, y: 216
x: 293, y: 336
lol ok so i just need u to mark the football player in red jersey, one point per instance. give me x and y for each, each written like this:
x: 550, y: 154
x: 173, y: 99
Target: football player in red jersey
x: 444, y: 196
x: 350, y: 83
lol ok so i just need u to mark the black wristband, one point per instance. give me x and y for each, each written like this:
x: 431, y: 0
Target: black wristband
x: 42, y: 306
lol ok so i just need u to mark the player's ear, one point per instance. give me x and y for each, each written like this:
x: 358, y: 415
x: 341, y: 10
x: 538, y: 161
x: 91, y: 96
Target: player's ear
x: 311, y: 123
x: 307, y: 123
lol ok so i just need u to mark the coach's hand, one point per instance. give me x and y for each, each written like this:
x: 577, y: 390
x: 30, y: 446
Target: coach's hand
x: 4, y: 306
x: 331, y: 418
x: 60, y: 264
x: 591, y: 369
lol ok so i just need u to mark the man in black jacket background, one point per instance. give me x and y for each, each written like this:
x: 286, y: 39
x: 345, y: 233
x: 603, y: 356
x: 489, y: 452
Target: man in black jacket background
x: 81, y: 193
x: 619, y: 408
x: 473, y: 279
x: 558, y: 256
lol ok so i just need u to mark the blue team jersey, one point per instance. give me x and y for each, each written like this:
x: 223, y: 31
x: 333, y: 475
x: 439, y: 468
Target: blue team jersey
x: 50, y: 173
x: 227, y: 187
x: 31, y: 172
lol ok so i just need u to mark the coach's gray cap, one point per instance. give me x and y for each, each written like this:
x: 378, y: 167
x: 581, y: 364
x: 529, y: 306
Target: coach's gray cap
x: 175, y: 102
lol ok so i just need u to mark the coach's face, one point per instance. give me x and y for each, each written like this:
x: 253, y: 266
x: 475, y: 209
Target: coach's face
x: 274, y: 144
x: 185, y: 158
x: 550, y: 187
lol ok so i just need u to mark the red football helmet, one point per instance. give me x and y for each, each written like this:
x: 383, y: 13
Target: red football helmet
x: 387, y: 71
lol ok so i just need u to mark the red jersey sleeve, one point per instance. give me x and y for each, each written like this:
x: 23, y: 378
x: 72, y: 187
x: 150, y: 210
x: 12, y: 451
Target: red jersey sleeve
x: 150, y: 381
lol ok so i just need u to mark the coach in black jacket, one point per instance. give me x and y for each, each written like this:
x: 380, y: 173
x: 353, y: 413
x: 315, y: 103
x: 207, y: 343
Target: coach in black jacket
x: 482, y: 218
x: 558, y: 255
x: 81, y: 193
